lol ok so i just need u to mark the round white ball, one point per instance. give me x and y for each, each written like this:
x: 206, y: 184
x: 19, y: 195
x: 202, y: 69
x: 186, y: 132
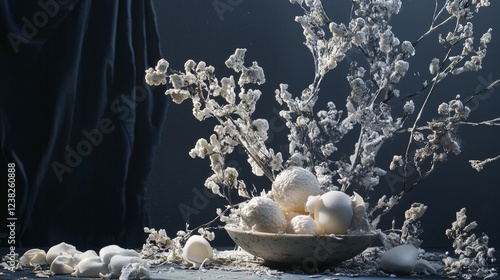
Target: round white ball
x: 302, y: 224
x: 293, y: 186
x: 333, y: 212
x: 263, y: 214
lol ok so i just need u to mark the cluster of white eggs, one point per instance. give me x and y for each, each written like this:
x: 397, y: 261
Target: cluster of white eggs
x: 297, y: 205
x: 65, y: 259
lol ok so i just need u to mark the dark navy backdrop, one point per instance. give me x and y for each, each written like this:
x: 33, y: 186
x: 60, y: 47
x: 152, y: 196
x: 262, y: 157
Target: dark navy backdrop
x: 211, y: 30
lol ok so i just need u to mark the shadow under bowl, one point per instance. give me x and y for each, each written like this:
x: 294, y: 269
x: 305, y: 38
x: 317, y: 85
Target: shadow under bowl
x: 300, y: 248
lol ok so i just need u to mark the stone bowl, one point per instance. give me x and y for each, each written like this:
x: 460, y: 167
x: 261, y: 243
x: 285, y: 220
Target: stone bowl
x: 304, y: 249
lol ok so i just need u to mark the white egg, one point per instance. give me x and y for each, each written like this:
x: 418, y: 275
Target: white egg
x: 92, y: 267
x: 197, y: 250
x: 33, y: 257
x: 87, y: 254
x: 332, y: 211
x: 399, y: 260
x: 107, y: 252
x: 293, y: 186
x: 63, y: 264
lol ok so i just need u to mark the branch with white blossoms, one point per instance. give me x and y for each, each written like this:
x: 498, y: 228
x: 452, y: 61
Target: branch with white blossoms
x: 479, y: 164
x: 443, y: 137
x: 472, y: 251
x: 214, y: 99
x: 409, y: 232
x: 314, y: 136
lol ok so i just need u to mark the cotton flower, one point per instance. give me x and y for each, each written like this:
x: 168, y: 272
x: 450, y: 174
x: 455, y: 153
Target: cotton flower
x: 385, y: 41
x: 177, y: 81
x: 162, y: 66
x: 434, y: 66
x: 409, y: 107
x: 407, y: 48
x: 178, y: 95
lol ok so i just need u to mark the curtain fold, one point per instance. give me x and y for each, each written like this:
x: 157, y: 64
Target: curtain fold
x: 77, y: 118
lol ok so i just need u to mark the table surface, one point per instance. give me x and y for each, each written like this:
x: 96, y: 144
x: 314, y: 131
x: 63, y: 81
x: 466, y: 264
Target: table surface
x: 163, y: 272
x: 211, y: 272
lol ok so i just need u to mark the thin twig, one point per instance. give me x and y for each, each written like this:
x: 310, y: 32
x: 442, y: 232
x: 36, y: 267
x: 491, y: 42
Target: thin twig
x: 492, y: 122
x: 490, y: 86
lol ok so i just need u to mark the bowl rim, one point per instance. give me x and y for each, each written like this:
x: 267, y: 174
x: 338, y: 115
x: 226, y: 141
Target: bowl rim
x: 237, y: 228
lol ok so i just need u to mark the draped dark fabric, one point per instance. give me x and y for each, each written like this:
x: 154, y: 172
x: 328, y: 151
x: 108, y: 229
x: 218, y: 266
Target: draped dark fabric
x: 77, y: 119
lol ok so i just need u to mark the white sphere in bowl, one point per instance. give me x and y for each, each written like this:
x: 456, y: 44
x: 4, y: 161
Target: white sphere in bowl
x: 263, y: 214
x: 302, y: 224
x: 293, y: 186
x: 332, y: 211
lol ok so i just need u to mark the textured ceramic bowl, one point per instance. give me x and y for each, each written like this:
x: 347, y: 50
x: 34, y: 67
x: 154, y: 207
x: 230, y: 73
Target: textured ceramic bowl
x: 300, y: 248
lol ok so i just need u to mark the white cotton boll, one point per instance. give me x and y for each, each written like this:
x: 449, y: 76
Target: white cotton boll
x: 302, y: 224
x: 263, y: 214
x: 401, y: 67
x: 416, y: 211
x: 332, y: 211
x: 409, y: 107
x: 255, y: 167
x: 33, y: 257
x: 396, y: 162
x: 407, y: 48
x: 62, y: 264
x: 253, y: 74
x: 91, y: 267
x: 385, y: 41
x: 61, y: 248
x: 189, y: 65
x: 177, y: 81
x: 155, y: 78
x: 444, y: 109
x: 162, y: 66
x: 197, y: 250
x: 107, y: 252
x: 434, y: 66
x: 235, y: 61
x: 293, y: 186
x: 178, y: 96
